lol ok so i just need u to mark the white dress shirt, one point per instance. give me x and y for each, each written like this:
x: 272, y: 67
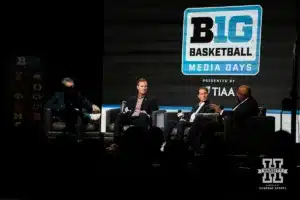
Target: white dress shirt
x: 193, y: 116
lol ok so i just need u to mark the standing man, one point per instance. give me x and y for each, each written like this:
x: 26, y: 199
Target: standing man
x: 186, y: 121
x: 137, y: 112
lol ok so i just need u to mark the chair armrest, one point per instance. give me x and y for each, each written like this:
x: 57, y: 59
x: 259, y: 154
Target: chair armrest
x: 159, y: 119
x: 172, y: 116
x: 47, y: 120
x: 264, y: 122
x: 111, y: 115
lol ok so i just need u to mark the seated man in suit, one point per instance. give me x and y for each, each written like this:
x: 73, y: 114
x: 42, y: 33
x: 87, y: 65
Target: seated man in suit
x: 137, y: 112
x: 185, y: 121
x: 245, y: 108
x: 69, y: 104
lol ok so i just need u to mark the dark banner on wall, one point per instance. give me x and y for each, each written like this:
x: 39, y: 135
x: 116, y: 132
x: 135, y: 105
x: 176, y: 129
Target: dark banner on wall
x: 27, y: 91
x: 151, y: 47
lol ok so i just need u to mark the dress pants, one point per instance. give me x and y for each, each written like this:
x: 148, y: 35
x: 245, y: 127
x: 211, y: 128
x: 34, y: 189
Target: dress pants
x: 125, y: 119
x: 179, y: 125
x: 202, y: 132
x: 75, y: 124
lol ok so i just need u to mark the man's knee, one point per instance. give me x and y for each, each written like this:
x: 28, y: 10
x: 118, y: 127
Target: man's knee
x: 141, y: 121
x: 144, y: 117
x: 119, y: 117
x: 182, y: 123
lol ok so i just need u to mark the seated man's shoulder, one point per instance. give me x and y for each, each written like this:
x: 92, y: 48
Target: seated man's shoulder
x: 253, y: 101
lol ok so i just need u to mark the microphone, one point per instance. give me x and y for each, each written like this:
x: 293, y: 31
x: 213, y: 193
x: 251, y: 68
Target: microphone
x: 123, y: 105
x: 180, y: 114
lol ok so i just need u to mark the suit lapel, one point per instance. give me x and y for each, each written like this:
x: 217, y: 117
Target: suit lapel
x: 202, y: 109
x: 195, y: 108
x: 144, y: 103
x: 205, y: 107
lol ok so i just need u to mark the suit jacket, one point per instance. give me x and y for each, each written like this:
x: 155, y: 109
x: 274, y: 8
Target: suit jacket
x: 149, y: 104
x: 57, y: 102
x: 204, y: 109
x: 239, y: 121
x: 246, y: 110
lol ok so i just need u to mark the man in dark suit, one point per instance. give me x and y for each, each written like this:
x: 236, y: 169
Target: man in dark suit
x: 246, y: 105
x: 245, y: 108
x: 138, y: 110
x: 185, y: 121
x: 69, y: 105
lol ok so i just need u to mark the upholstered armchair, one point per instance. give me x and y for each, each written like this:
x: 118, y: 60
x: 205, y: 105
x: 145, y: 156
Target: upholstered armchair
x: 54, y: 125
x: 173, y: 116
x: 255, y: 136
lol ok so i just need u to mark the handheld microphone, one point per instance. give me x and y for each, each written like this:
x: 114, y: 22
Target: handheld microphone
x: 123, y: 105
x: 180, y: 114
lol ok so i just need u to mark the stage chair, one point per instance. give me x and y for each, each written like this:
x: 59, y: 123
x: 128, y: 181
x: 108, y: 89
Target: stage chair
x: 245, y: 144
x: 158, y: 120
x: 173, y: 116
x: 54, y: 126
x: 256, y: 136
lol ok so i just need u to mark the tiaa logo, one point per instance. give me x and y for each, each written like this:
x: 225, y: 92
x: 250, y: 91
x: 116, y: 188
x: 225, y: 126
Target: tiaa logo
x: 222, y: 41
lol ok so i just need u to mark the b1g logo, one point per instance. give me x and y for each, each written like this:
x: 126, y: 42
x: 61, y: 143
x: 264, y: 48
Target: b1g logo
x: 222, y: 41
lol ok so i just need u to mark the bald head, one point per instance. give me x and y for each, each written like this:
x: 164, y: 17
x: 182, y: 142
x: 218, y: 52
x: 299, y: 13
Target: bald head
x: 243, y: 92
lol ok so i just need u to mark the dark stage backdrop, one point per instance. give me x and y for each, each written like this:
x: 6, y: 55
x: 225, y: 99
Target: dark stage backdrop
x: 81, y: 68
x: 144, y: 38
